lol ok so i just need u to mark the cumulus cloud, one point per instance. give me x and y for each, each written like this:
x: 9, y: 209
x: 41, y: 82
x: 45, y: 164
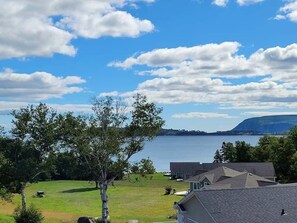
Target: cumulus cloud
x: 210, y: 73
x: 202, y: 115
x: 109, y: 94
x: 37, y: 85
x: 42, y: 28
x: 203, y: 60
x: 248, y: 2
x: 222, y: 3
x: 288, y: 11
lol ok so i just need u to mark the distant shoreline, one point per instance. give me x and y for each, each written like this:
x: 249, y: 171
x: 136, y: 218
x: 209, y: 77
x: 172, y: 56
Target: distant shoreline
x: 176, y: 132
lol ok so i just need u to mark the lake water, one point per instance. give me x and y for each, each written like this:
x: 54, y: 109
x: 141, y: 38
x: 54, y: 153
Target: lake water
x: 165, y: 149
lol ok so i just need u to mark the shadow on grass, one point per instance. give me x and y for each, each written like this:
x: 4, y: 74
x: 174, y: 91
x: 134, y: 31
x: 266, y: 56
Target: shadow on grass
x: 79, y: 190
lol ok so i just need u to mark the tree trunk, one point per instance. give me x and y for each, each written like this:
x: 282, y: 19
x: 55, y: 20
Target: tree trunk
x: 104, y: 199
x: 23, y: 195
x: 97, y: 184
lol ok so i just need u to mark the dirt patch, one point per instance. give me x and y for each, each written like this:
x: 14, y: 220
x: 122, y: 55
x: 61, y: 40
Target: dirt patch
x: 7, y: 208
x: 59, y: 215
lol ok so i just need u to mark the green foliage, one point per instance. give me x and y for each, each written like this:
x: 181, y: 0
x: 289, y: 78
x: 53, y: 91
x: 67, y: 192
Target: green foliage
x: 145, y: 166
x: 292, y: 136
x: 218, y: 157
x: 281, y: 151
x: 242, y: 151
x: 37, y: 127
x: 31, y: 215
x: 228, y: 152
x: 27, y: 154
x: 263, y: 151
x: 4, y: 194
x: 70, y: 166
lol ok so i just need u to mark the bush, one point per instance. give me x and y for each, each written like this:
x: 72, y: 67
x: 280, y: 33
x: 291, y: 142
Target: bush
x: 32, y: 215
x: 168, y: 190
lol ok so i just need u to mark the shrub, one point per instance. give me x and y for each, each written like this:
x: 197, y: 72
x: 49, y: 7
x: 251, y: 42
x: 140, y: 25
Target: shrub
x: 168, y: 190
x: 32, y: 215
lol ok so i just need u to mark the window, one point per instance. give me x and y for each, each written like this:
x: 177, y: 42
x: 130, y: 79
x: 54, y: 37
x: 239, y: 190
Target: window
x: 195, y: 186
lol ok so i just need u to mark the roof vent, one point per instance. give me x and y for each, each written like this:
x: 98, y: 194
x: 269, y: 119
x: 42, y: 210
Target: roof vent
x: 283, y: 212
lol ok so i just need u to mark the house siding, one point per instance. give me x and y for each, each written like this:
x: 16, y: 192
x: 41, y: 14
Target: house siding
x: 195, y: 212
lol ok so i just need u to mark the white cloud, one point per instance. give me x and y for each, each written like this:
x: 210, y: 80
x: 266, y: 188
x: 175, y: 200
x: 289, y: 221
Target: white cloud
x: 222, y: 3
x: 208, y: 74
x: 288, y: 11
x: 200, y: 115
x: 109, y: 94
x: 42, y: 28
x: 248, y: 2
x: 267, y: 113
x: 280, y: 17
x: 37, y: 85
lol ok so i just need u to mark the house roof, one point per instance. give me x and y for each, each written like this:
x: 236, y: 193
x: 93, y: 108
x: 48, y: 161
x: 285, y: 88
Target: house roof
x: 188, y: 167
x: 215, y: 175
x: 243, y: 180
x: 252, y: 205
x: 263, y: 169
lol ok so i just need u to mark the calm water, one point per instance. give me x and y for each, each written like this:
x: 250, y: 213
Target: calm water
x: 165, y: 149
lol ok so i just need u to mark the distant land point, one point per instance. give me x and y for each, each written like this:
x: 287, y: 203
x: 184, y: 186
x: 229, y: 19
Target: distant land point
x: 265, y: 125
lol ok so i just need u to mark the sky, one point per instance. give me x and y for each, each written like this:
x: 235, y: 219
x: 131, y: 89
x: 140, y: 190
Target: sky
x: 209, y: 64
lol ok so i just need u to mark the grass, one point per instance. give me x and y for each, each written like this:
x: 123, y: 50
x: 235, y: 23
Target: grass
x: 138, y: 198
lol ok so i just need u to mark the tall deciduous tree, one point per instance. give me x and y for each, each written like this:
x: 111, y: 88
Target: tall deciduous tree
x: 34, y: 139
x: 109, y: 137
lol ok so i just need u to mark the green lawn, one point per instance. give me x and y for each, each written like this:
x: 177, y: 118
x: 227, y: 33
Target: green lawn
x: 65, y: 201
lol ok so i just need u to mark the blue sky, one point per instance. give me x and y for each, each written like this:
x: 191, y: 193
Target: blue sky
x: 209, y: 64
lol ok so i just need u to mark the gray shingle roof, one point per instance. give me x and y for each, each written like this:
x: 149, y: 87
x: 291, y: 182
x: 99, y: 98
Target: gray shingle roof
x: 244, y: 180
x: 256, y: 205
x: 261, y: 169
x: 194, y: 168
x: 216, y: 174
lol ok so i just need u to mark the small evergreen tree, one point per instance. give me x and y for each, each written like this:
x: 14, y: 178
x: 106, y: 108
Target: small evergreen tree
x: 218, y: 158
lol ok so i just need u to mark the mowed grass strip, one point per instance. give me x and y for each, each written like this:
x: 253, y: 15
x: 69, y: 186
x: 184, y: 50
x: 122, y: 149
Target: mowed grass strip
x: 139, y: 198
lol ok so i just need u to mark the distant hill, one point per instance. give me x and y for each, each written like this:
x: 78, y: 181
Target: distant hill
x: 278, y: 124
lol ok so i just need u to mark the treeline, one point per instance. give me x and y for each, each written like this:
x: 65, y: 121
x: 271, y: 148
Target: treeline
x: 180, y: 132
x: 183, y: 132
x: 280, y: 150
